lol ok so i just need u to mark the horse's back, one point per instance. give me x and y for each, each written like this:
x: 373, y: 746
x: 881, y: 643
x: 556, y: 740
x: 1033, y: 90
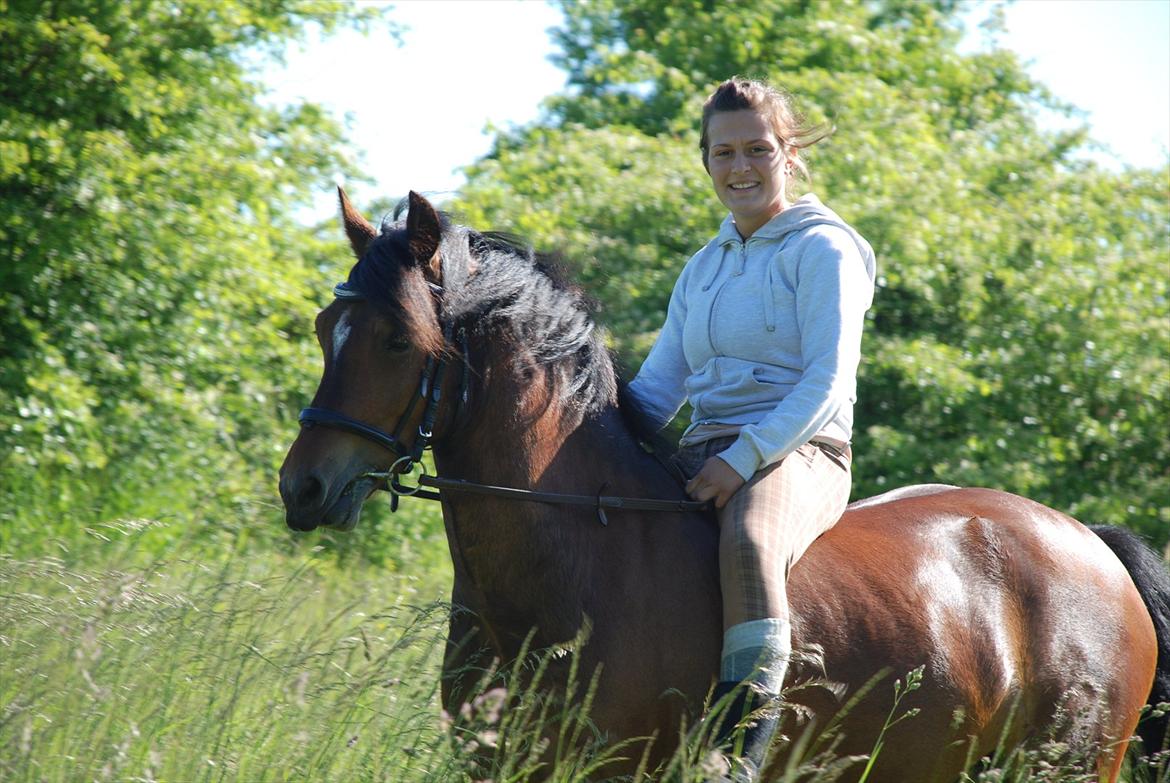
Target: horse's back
x: 1018, y: 613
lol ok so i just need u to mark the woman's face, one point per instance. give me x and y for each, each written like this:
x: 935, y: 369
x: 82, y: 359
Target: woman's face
x: 747, y: 166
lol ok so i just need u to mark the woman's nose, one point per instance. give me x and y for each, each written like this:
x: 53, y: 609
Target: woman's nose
x: 739, y: 163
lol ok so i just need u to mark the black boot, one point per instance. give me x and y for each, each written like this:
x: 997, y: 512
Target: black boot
x: 744, y: 749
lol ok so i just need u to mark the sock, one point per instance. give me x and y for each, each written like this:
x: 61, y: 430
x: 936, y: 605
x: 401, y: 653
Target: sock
x: 758, y: 651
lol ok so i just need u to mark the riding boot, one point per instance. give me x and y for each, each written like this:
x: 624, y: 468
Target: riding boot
x: 745, y: 748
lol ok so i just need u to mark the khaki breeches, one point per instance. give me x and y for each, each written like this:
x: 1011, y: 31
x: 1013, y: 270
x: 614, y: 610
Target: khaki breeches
x: 770, y: 522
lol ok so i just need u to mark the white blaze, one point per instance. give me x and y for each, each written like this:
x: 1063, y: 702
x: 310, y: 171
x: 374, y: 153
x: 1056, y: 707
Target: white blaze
x: 341, y: 332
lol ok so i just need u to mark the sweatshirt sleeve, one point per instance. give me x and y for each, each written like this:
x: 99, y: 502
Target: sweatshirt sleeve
x: 833, y: 291
x: 660, y: 385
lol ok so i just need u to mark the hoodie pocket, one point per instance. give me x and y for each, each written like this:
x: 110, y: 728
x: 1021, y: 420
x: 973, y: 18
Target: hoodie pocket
x: 697, y: 385
x: 779, y: 296
x: 764, y: 377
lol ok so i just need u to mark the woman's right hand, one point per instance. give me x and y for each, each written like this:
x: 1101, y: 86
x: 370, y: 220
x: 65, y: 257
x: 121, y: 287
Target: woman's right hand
x: 716, y: 481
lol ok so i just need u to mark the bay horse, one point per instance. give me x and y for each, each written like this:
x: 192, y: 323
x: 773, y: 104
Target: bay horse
x: 1026, y: 624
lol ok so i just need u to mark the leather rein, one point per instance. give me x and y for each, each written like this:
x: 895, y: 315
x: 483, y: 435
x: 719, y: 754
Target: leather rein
x: 430, y: 393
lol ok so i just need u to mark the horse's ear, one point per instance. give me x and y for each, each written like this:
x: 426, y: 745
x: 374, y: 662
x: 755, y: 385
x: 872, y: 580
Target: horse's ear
x: 357, y: 228
x: 424, y: 232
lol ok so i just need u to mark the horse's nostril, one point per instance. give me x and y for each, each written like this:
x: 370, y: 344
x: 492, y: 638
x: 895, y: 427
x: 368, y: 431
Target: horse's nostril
x: 301, y: 494
x: 310, y: 492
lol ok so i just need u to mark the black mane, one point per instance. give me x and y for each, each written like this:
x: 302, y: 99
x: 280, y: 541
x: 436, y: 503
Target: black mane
x: 493, y: 283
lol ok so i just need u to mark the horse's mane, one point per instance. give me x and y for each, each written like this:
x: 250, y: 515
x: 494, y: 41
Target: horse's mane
x: 494, y: 282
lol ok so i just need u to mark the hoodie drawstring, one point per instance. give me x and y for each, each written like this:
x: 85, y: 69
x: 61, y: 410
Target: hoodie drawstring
x: 769, y: 293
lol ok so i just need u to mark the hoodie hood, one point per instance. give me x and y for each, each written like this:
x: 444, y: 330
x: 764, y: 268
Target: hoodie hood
x: 805, y: 212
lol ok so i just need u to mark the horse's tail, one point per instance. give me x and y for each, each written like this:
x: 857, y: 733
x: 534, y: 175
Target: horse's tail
x: 1150, y: 575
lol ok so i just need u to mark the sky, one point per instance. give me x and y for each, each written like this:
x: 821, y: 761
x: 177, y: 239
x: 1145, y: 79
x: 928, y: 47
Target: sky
x: 467, y: 66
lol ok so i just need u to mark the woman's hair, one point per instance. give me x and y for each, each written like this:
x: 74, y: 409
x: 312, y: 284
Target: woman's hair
x: 793, y: 131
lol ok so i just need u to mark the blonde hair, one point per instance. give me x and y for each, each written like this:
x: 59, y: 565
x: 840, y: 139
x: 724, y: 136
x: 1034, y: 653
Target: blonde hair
x: 791, y: 128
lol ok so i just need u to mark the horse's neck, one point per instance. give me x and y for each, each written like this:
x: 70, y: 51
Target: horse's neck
x: 522, y: 433
x: 550, y: 450
x: 536, y: 564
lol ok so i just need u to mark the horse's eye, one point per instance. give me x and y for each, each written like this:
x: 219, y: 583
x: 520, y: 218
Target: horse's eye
x: 397, y: 344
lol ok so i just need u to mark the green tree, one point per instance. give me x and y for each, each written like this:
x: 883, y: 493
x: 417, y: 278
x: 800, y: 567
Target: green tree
x: 156, y: 293
x: 1019, y: 335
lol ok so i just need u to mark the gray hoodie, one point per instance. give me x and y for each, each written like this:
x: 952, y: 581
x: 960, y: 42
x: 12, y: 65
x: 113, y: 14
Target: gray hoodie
x: 766, y: 334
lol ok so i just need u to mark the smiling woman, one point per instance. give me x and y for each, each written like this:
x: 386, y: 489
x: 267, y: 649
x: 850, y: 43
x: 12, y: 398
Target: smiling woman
x: 749, y: 167
x: 762, y: 337
x: 751, y: 142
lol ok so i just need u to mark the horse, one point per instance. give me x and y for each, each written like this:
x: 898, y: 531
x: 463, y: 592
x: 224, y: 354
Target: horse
x: 1023, y: 623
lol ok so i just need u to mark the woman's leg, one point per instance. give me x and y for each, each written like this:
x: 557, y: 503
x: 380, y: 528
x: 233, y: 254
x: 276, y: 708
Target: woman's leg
x: 765, y: 527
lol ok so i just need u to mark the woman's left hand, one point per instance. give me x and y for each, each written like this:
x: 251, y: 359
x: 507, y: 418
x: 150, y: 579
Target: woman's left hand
x: 716, y: 480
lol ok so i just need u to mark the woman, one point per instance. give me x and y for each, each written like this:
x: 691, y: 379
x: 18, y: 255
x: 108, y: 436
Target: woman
x: 762, y: 337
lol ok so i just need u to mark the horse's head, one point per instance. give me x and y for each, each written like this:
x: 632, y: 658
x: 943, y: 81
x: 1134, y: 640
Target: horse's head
x: 381, y: 342
x: 422, y: 295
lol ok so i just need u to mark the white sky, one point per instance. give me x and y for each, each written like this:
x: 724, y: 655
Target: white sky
x: 418, y: 112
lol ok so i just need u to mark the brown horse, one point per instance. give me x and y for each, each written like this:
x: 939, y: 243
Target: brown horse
x: 1026, y: 623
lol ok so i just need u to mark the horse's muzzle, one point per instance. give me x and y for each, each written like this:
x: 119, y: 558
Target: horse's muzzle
x: 310, y: 502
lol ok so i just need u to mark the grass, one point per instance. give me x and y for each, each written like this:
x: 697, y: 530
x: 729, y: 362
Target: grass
x: 257, y: 668
x: 300, y: 663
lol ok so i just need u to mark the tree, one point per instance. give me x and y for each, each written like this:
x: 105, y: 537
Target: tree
x: 1019, y: 335
x: 155, y: 291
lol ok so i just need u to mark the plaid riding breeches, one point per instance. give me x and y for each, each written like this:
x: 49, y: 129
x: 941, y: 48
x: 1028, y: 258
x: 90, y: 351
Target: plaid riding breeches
x: 770, y: 522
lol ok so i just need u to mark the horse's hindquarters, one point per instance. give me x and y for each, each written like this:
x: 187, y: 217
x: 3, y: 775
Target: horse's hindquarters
x: 1025, y: 626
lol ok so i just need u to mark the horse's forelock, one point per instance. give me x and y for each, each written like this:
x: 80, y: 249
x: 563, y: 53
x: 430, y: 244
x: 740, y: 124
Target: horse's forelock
x: 387, y: 276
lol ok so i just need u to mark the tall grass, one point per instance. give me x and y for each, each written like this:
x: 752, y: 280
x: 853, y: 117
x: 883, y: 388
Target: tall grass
x: 133, y: 517
x: 256, y: 668
x: 270, y: 666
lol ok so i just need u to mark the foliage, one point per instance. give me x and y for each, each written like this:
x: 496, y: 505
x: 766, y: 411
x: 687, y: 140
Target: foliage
x: 156, y: 293
x: 1021, y: 331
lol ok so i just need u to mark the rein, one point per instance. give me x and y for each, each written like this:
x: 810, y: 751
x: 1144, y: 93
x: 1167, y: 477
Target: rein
x: 430, y: 389
x: 599, y: 501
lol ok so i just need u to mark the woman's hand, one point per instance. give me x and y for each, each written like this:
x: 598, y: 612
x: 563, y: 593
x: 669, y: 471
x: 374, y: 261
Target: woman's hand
x: 715, y: 480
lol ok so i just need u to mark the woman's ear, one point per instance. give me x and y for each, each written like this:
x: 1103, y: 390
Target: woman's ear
x: 790, y: 166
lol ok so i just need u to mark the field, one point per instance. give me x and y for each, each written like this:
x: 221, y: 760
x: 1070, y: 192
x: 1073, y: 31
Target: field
x: 127, y: 665
x: 254, y: 667
x: 158, y: 285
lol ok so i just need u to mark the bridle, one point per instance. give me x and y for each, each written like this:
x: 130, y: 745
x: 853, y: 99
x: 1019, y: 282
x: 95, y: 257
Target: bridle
x: 430, y: 390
